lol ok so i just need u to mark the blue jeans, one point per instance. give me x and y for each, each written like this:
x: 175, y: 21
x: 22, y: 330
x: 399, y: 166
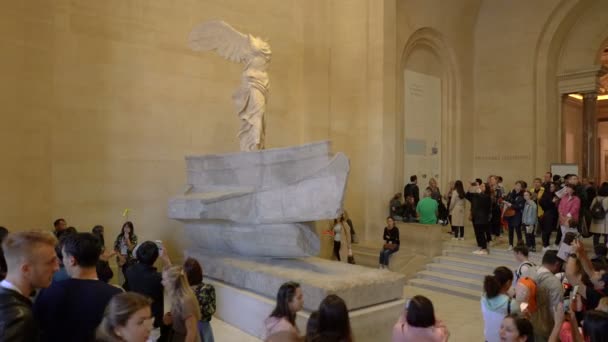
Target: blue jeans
x: 385, y: 254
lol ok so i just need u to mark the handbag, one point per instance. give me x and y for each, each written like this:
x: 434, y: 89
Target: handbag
x: 390, y: 246
x: 509, y: 212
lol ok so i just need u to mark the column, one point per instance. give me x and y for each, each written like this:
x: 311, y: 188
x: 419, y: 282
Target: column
x: 590, y: 135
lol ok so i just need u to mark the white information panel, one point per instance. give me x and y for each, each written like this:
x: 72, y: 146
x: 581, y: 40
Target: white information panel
x: 422, y: 127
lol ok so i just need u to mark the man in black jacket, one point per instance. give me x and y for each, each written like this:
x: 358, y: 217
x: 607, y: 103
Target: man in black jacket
x: 31, y: 262
x: 411, y: 189
x: 143, y: 278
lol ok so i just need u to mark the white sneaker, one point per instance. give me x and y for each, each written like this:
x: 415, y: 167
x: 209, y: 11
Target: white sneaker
x: 510, y: 248
x: 477, y: 251
x: 461, y: 239
x: 554, y: 247
x: 483, y: 252
x: 546, y: 249
x: 454, y: 238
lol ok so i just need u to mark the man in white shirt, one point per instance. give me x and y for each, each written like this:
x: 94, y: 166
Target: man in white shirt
x: 31, y: 262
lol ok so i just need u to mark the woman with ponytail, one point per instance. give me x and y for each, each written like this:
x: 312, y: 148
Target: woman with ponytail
x: 495, y: 302
x: 185, y: 312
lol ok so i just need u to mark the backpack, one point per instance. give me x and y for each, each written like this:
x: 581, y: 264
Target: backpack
x: 527, y: 287
x: 597, y: 210
x: 518, y: 272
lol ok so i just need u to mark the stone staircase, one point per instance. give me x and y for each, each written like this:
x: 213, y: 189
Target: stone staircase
x: 367, y: 254
x: 457, y: 271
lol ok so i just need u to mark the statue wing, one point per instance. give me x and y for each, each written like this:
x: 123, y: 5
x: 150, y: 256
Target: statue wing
x: 218, y: 35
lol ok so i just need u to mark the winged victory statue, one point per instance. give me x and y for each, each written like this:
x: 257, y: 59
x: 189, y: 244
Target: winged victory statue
x: 251, y: 96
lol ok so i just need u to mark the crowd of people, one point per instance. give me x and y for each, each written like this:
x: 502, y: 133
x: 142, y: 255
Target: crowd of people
x: 55, y: 286
x: 554, y: 203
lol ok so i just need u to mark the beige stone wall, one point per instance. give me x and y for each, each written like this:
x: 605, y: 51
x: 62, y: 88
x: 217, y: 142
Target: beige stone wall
x: 103, y: 100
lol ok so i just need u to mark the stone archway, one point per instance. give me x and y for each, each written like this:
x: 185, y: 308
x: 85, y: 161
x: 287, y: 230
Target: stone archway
x: 568, y: 44
x: 431, y: 41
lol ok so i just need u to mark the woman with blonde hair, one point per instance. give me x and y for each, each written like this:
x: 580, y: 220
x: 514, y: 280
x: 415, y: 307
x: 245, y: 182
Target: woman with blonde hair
x: 127, y: 318
x: 185, y: 313
x: 342, y: 239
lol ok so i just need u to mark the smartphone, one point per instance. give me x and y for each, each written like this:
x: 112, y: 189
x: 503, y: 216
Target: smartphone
x: 571, y: 299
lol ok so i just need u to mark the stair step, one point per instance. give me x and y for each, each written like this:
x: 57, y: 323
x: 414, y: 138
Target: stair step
x: 445, y: 288
x: 490, y: 257
x: 499, y: 251
x: 444, y: 278
x: 480, y: 265
x: 457, y: 271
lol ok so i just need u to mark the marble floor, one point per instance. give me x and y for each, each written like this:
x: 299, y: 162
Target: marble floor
x: 462, y: 317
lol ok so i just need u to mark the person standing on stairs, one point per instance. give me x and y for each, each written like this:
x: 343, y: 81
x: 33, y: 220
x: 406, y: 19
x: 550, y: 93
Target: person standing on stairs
x: 515, y: 204
x: 456, y: 206
x: 481, y: 208
x: 391, y: 242
x: 495, y: 302
x: 530, y: 221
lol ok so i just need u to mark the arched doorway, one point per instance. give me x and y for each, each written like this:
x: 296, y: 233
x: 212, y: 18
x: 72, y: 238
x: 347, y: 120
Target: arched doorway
x: 428, y: 122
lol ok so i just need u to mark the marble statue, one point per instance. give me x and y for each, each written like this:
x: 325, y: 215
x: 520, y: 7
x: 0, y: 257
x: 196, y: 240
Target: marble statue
x: 250, y: 98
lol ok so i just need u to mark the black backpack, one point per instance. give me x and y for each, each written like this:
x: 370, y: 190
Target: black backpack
x: 597, y: 210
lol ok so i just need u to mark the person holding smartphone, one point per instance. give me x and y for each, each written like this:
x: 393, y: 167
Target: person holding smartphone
x: 123, y: 246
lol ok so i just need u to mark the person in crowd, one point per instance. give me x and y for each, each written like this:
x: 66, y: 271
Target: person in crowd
x: 59, y: 225
x: 601, y: 253
x: 521, y: 252
x: 290, y: 300
x: 104, y: 272
x: 595, y: 326
x: 417, y: 323
x: 547, y: 179
x: 185, y: 313
x: 62, y: 273
x: 31, y: 262
x: 435, y: 192
x: 427, y: 208
x: 549, y: 293
x: 568, y: 209
x: 396, y: 207
x: 353, y: 234
x: 495, y: 302
x: 3, y: 234
x: 205, y: 294
x: 481, y: 208
x: 409, y: 210
x: 411, y: 189
x: 312, y: 326
x: 515, y: 204
x: 599, y: 226
x: 550, y: 214
x: 516, y: 329
x: 536, y: 193
x: 334, y: 322
x: 594, y: 285
x: 82, y: 298
x: 123, y: 246
x: 127, y: 318
x: 576, y: 276
x: 456, y: 206
x: 341, y: 234
x: 142, y: 277
x: 391, y: 242
x: 529, y: 219
x: 495, y: 220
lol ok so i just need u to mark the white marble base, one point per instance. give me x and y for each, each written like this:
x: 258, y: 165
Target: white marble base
x: 246, y: 311
x: 359, y: 286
